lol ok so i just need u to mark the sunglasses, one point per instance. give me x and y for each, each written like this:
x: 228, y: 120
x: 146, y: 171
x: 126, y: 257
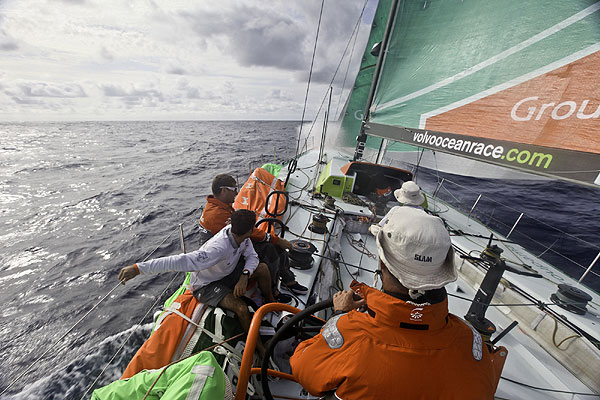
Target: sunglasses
x: 233, y: 189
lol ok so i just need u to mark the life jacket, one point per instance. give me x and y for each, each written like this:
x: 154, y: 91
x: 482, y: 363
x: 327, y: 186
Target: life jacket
x: 171, y: 335
x: 253, y: 196
x: 198, y: 377
x: 406, y: 350
x: 215, y: 216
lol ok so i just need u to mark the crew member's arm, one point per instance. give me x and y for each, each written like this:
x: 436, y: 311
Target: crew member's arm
x: 251, y: 259
x: 204, y: 258
x: 320, y: 365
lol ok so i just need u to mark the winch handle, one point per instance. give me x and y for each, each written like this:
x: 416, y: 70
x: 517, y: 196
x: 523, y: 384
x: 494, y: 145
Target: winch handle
x: 271, y: 222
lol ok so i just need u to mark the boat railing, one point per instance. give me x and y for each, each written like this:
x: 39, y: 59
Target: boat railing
x: 574, y: 255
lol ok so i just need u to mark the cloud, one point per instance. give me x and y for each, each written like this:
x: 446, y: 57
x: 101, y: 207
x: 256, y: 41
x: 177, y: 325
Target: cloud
x: 134, y: 96
x: 176, y: 70
x: 278, y: 35
x: 40, y: 89
x: 7, y: 43
x: 105, y: 54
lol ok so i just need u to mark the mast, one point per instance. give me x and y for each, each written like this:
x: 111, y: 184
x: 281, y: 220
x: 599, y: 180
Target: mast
x: 361, y: 139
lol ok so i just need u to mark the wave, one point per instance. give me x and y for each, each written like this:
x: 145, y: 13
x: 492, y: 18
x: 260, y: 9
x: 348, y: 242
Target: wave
x: 72, y: 380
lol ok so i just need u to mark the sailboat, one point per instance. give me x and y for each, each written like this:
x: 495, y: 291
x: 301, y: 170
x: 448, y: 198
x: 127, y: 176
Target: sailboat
x: 507, y: 83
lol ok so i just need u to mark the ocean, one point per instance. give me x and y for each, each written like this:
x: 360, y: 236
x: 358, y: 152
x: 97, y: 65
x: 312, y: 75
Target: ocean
x: 79, y: 201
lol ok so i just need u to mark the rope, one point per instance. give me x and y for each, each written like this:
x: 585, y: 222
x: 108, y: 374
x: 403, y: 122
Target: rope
x: 514, y: 209
x: 356, y: 26
x: 565, y: 339
x: 128, y: 337
x: 312, y: 62
x: 549, y: 390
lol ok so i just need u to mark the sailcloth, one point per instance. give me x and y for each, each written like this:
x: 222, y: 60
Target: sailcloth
x: 510, y: 82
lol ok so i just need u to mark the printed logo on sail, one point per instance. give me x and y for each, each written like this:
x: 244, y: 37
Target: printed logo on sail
x: 527, y: 108
x: 520, y: 156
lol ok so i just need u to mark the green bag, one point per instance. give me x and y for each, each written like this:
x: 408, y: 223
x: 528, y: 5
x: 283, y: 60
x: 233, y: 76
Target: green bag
x: 197, y: 377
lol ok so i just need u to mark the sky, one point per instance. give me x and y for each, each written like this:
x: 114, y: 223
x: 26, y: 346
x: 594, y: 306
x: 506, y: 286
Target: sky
x: 78, y: 60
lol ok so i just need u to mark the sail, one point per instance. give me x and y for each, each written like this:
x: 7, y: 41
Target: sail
x: 509, y: 82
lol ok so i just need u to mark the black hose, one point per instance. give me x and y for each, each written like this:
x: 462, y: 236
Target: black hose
x: 269, y: 351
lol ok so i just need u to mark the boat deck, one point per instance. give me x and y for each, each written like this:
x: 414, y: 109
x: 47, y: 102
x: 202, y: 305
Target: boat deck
x: 530, y: 359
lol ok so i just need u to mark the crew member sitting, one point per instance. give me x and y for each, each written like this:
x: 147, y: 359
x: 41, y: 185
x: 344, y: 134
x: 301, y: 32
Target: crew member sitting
x: 219, y: 273
x: 216, y: 215
x: 407, y: 345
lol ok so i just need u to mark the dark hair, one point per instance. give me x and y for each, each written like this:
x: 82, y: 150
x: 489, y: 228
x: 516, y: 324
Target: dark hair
x: 222, y: 180
x: 242, y: 221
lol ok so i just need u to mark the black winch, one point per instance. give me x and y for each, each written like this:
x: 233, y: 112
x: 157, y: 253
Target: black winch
x: 301, y: 254
x: 571, y: 299
x: 319, y: 224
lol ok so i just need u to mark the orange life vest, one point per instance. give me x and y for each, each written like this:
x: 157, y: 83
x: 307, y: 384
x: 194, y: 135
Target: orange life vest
x: 253, y: 196
x: 406, y: 351
x: 167, y: 342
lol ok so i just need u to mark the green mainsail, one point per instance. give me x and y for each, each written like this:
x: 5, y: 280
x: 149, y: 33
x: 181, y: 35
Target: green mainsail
x: 514, y: 77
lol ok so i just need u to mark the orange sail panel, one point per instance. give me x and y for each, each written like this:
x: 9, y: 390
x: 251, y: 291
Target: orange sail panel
x: 559, y: 109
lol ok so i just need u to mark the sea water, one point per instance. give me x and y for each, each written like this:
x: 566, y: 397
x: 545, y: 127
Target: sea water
x: 79, y: 201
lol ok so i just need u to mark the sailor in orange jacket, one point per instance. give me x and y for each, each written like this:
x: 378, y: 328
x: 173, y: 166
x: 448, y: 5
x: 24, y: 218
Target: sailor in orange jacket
x: 406, y: 345
x: 216, y: 215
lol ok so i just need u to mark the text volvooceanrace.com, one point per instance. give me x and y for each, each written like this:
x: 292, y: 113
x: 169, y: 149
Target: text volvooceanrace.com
x: 542, y: 160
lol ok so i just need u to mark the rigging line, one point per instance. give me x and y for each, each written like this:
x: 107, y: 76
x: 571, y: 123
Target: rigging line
x: 539, y: 304
x: 337, y: 109
x: 518, y: 211
x: 80, y: 320
x: 549, y: 390
x: 63, y: 336
x: 129, y: 337
x: 312, y: 62
x: 356, y: 26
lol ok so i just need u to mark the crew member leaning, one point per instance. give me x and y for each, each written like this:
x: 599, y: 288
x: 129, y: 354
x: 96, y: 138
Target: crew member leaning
x: 407, y: 345
x: 216, y: 215
x: 219, y: 275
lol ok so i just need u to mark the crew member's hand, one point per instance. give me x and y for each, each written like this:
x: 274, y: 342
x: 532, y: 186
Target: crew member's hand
x: 284, y: 244
x: 240, y: 288
x: 344, y: 301
x: 128, y: 273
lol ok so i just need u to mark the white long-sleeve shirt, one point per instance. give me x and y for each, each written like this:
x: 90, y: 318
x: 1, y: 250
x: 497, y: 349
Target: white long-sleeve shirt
x: 216, y: 259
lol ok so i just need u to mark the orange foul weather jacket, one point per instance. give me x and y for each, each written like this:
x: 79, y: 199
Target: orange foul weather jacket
x: 216, y: 216
x: 406, y: 351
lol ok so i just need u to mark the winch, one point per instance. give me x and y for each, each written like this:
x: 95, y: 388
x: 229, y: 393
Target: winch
x: 319, y: 224
x: 571, y: 299
x: 301, y: 254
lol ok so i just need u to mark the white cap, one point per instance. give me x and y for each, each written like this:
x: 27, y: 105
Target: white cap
x: 415, y: 247
x: 409, y: 194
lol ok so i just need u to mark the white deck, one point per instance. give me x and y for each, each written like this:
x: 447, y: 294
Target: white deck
x: 528, y: 361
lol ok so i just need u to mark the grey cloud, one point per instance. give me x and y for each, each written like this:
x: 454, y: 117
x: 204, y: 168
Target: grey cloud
x: 133, y: 96
x: 192, y: 92
x: 176, y: 71
x: 39, y: 89
x: 268, y: 37
x: 276, y: 94
x: 6, y: 42
x: 105, y: 54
